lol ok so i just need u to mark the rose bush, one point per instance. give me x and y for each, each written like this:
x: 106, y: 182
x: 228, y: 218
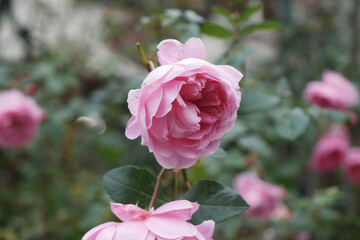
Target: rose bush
x: 20, y: 117
x: 185, y: 106
x: 165, y: 223
x: 330, y: 150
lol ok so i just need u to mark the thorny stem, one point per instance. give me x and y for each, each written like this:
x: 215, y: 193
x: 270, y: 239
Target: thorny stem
x: 157, y: 186
x: 148, y: 64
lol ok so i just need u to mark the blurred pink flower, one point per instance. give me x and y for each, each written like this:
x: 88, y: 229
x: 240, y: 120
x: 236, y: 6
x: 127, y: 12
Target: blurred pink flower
x: 330, y: 150
x: 263, y: 198
x: 334, y: 91
x: 303, y: 236
x: 168, y: 222
x: 19, y: 119
x: 352, y: 165
x: 185, y: 106
x: 281, y: 211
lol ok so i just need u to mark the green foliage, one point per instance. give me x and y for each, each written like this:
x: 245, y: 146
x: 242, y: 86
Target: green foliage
x: 216, y: 30
x: 254, y: 99
x: 217, y: 202
x: 290, y: 123
x: 132, y: 185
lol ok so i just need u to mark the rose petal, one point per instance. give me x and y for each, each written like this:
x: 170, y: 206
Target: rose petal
x: 181, y: 209
x: 169, y: 227
x: 93, y: 233
x: 194, y: 48
x: 169, y: 51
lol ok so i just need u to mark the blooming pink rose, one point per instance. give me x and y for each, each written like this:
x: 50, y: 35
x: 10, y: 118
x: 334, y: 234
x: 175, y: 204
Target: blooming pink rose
x: 352, y: 165
x: 334, y: 91
x: 262, y: 197
x: 330, y: 150
x: 19, y: 119
x: 168, y: 222
x: 185, y: 106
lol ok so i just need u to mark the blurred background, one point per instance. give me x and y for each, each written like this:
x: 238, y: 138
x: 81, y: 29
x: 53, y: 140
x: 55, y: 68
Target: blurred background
x: 78, y: 58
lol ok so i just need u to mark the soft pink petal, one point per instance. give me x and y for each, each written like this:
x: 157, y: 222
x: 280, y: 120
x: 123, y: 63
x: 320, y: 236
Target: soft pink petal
x: 194, y: 48
x: 181, y: 209
x: 107, y: 233
x: 93, y: 233
x: 169, y: 51
x: 206, y: 229
x: 135, y: 230
x: 133, y: 101
x: 169, y: 227
x: 133, y: 129
x: 128, y: 212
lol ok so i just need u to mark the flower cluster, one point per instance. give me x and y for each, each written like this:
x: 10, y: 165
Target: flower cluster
x: 333, y: 148
x: 263, y: 198
x: 168, y: 222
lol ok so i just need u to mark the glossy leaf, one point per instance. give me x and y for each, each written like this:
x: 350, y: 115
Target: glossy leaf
x: 217, y: 202
x: 132, y: 185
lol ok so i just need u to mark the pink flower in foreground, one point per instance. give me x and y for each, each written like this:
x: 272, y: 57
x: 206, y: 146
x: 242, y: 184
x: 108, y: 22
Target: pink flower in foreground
x: 168, y: 222
x: 352, y: 165
x: 334, y: 91
x: 263, y: 198
x: 19, y: 119
x: 185, y: 106
x: 330, y: 150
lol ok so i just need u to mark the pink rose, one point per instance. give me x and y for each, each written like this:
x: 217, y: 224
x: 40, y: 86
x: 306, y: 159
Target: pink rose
x: 334, y: 91
x: 263, y: 198
x: 352, y: 165
x: 330, y: 150
x: 168, y: 222
x: 19, y: 119
x: 185, y: 106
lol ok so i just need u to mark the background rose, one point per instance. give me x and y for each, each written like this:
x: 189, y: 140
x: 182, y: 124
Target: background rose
x: 330, y: 150
x: 19, y: 118
x: 184, y: 107
x: 334, y: 91
x: 263, y: 198
x: 352, y: 164
x: 167, y: 222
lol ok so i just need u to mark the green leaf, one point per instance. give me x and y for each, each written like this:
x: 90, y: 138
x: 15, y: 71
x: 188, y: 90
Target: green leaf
x: 254, y: 100
x: 217, y: 202
x: 290, y: 124
x: 193, y: 17
x: 219, y: 154
x: 215, y: 30
x: 269, y: 25
x: 132, y: 185
x: 244, y: 16
x: 237, y: 59
x: 223, y: 12
x: 256, y: 144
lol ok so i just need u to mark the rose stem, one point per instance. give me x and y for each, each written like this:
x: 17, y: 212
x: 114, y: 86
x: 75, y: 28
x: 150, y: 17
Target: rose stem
x: 176, y: 192
x: 157, y: 186
x: 148, y: 64
x: 187, y: 184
